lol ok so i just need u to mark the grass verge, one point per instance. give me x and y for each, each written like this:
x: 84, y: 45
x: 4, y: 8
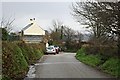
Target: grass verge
x: 111, y: 65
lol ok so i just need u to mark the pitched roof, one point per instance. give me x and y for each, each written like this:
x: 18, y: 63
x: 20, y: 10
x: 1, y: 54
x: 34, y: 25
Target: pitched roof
x: 27, y: 26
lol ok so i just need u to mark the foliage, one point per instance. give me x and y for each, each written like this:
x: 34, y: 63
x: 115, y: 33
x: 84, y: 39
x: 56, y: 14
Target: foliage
x: 14, y: 37
x: 64, y: 36
x: 5, y: 34
x: 87, y: 59
x: 105, y: 50
x: 110, y: 64
x: 56, y: 30
x: 14, y: 64
x: 55, y: 35
x: 101, y: 17
x: 7, y: 23
x: 16, y: 57
x: 81, y: 52
x: 104, y: 20
x: 31, y: 52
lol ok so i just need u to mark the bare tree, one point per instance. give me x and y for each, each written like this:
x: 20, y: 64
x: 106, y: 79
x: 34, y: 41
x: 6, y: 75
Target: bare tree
x: 56, y: 26
x: 56, y: 30
x: 7, y: 23
x: 68, y: 32
x: 80, y: 36
x: 102, y: 17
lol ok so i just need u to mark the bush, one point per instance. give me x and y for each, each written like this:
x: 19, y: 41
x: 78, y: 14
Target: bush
x: 71, y: 46
x: 14, y: 64
x: 112, y: 66
x: 31, y: 52
x: 5, y: 34
x: 81, y: 53
x: 109, y: 64
x: 92, y: 60
x: 16, y: 56
x: 105, y: 50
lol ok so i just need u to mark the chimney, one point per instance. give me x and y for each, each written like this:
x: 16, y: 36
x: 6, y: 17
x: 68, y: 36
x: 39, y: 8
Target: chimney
x: 34, y: 19
x: 31, y: 20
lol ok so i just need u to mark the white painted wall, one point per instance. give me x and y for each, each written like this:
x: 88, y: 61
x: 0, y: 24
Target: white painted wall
x: 47, y: 45
x: 34, y: 30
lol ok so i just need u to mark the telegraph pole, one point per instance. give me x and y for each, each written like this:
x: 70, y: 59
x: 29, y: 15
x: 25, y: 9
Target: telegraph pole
x: 61, y: 37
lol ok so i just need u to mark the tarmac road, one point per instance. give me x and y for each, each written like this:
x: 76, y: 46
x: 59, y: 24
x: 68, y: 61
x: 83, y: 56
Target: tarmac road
x: 65, y: 65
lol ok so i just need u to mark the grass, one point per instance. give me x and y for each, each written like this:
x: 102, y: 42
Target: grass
x: 92, y: 60
x: 111, y: 65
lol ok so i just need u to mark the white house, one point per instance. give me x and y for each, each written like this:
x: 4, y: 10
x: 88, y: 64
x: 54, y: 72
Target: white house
x: 32, y: 33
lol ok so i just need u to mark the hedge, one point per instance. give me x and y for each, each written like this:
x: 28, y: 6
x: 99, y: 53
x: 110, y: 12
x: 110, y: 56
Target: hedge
x: 16, y: 57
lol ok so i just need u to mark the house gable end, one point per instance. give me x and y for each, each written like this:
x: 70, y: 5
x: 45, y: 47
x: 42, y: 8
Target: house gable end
x: 34, y: 29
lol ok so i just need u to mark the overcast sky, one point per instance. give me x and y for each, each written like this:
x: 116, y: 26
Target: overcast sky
x: 44, y: 12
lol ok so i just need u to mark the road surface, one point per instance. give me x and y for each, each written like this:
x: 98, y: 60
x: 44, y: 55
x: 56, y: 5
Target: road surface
x: 65, y: 65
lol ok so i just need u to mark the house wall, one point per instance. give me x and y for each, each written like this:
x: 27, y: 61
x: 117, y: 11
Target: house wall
x: 34, y: 30
x: 33, y: 38
x: 33, y: 33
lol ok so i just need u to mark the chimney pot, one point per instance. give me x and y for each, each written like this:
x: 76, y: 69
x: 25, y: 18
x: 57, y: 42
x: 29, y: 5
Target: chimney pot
x: 30, y: 19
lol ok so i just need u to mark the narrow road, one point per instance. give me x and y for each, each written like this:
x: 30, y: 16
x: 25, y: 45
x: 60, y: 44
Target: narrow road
x: 64, y: 65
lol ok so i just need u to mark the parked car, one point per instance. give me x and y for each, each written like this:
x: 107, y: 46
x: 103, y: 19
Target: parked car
x: 56, y: 48
x: 50, y: 50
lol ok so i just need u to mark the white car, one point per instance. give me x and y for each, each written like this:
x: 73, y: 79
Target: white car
x: 50, y: 50
x: 56, y: 48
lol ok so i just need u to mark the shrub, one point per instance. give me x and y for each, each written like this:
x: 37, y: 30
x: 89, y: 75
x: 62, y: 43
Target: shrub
x: 5, y: 34
x: 92, y: 60
x: 109, y: 64
x: 112, y: 66
x: 14, y: 64
x: 32, y: 52
x: 81, y: 52
x: 105, y: 50
x: 16, y: 56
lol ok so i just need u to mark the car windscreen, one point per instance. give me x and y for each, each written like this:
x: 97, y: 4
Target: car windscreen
x: 55, y: 46
x: 50, y: 48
